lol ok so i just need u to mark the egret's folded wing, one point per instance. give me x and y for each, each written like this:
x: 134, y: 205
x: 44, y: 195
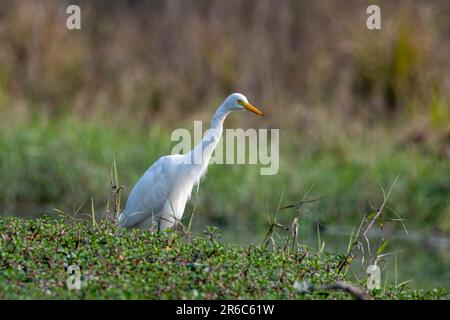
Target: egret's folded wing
x: 148, y: 195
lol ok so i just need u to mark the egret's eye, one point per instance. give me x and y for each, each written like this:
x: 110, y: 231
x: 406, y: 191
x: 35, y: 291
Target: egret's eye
x: 240, y: 101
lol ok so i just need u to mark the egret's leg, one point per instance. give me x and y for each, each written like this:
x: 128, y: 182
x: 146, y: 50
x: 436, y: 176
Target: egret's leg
x: 145, y: 224
x: 165, y: 217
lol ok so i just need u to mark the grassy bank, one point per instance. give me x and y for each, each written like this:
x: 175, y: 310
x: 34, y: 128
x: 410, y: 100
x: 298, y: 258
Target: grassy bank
x: 34, y: 255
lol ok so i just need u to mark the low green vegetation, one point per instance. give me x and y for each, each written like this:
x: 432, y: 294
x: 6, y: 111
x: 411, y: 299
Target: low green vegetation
x: 35, y: 255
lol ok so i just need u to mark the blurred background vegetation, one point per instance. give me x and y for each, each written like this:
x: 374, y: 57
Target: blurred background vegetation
x: 355, y: 108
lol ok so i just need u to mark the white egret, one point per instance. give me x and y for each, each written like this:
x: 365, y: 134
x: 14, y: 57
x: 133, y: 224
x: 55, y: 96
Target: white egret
x: 161, y: 194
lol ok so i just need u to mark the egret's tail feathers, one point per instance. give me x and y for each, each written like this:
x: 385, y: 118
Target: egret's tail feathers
x: 121, y: 221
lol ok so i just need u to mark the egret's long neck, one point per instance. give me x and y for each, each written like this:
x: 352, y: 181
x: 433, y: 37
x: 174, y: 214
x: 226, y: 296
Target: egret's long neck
x: 204, y: 149
x: 218, y: 119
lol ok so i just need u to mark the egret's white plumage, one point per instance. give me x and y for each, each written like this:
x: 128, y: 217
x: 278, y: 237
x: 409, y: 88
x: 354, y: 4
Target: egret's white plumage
x: 161, y: 194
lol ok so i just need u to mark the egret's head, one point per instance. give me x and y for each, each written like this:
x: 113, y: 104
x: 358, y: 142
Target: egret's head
x: 238, y: 101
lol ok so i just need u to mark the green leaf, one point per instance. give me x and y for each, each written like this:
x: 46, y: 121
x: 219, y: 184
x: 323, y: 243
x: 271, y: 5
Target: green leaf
x: 382, y: 247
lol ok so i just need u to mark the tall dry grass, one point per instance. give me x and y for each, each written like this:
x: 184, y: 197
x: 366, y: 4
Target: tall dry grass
x: 169, y: 59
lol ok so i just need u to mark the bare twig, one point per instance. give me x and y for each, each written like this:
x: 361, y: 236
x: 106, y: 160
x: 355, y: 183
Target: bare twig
x: 358, y: 292
x: 296, y: 222
x: 361, y: 235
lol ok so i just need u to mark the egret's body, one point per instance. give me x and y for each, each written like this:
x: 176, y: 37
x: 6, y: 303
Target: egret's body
x: 161, y: 194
